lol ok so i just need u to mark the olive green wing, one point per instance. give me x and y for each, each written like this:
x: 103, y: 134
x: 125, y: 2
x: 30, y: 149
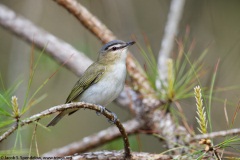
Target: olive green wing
x: 92, y: 75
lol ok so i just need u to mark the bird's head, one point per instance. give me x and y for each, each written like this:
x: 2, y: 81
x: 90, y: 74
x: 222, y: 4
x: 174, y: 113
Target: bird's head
x: 113, y: 51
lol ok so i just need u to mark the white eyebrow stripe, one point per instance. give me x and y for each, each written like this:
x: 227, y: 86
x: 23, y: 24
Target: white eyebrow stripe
x: 116, y: 45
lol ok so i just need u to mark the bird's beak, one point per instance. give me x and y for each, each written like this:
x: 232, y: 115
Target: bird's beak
x: 130, y: 43
x: 127, y: 44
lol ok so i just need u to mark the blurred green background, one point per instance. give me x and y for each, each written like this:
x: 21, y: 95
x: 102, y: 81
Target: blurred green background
x: 214, y: 24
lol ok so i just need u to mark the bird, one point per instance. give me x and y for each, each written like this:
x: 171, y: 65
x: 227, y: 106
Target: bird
x: 103, y: 80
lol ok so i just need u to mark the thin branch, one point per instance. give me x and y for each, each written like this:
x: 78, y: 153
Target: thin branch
x: 9, y: 132
x: 63, y: 107
x: 54, y: 47
x: 171, y: 30
x: 217, y: 134
x: 118, y: 155
x: 38, y: 116
x: 95, y: 140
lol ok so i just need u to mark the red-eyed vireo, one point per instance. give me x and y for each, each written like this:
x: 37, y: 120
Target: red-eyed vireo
x: 103, y: 81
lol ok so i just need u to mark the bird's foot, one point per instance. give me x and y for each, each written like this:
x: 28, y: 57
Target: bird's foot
x: 101, y: 110
x: 112, y: 121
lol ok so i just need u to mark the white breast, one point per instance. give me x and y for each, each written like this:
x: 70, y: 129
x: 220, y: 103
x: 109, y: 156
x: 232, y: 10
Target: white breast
x: 108, y: 88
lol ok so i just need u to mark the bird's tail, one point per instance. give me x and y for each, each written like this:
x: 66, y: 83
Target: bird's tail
x: 56, y: 119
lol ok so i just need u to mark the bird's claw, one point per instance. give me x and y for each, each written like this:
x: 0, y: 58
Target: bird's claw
x: 113, y: 121
x: 101, y: 110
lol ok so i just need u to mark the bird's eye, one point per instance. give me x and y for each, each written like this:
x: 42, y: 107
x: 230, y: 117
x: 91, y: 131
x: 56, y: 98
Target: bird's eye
x: 114, y: 48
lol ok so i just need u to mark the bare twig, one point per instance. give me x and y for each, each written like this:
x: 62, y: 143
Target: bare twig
x: 9, y: 132
x: 63, y: 107
x: 217, y: 134
x: 118, y: 155
x: 171, y: 30
x: 40, y: 115
x: 94, y: 140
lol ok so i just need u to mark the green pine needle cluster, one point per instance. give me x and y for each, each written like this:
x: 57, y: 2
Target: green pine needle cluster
x: 183, y: 75
x: 11, y: 111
